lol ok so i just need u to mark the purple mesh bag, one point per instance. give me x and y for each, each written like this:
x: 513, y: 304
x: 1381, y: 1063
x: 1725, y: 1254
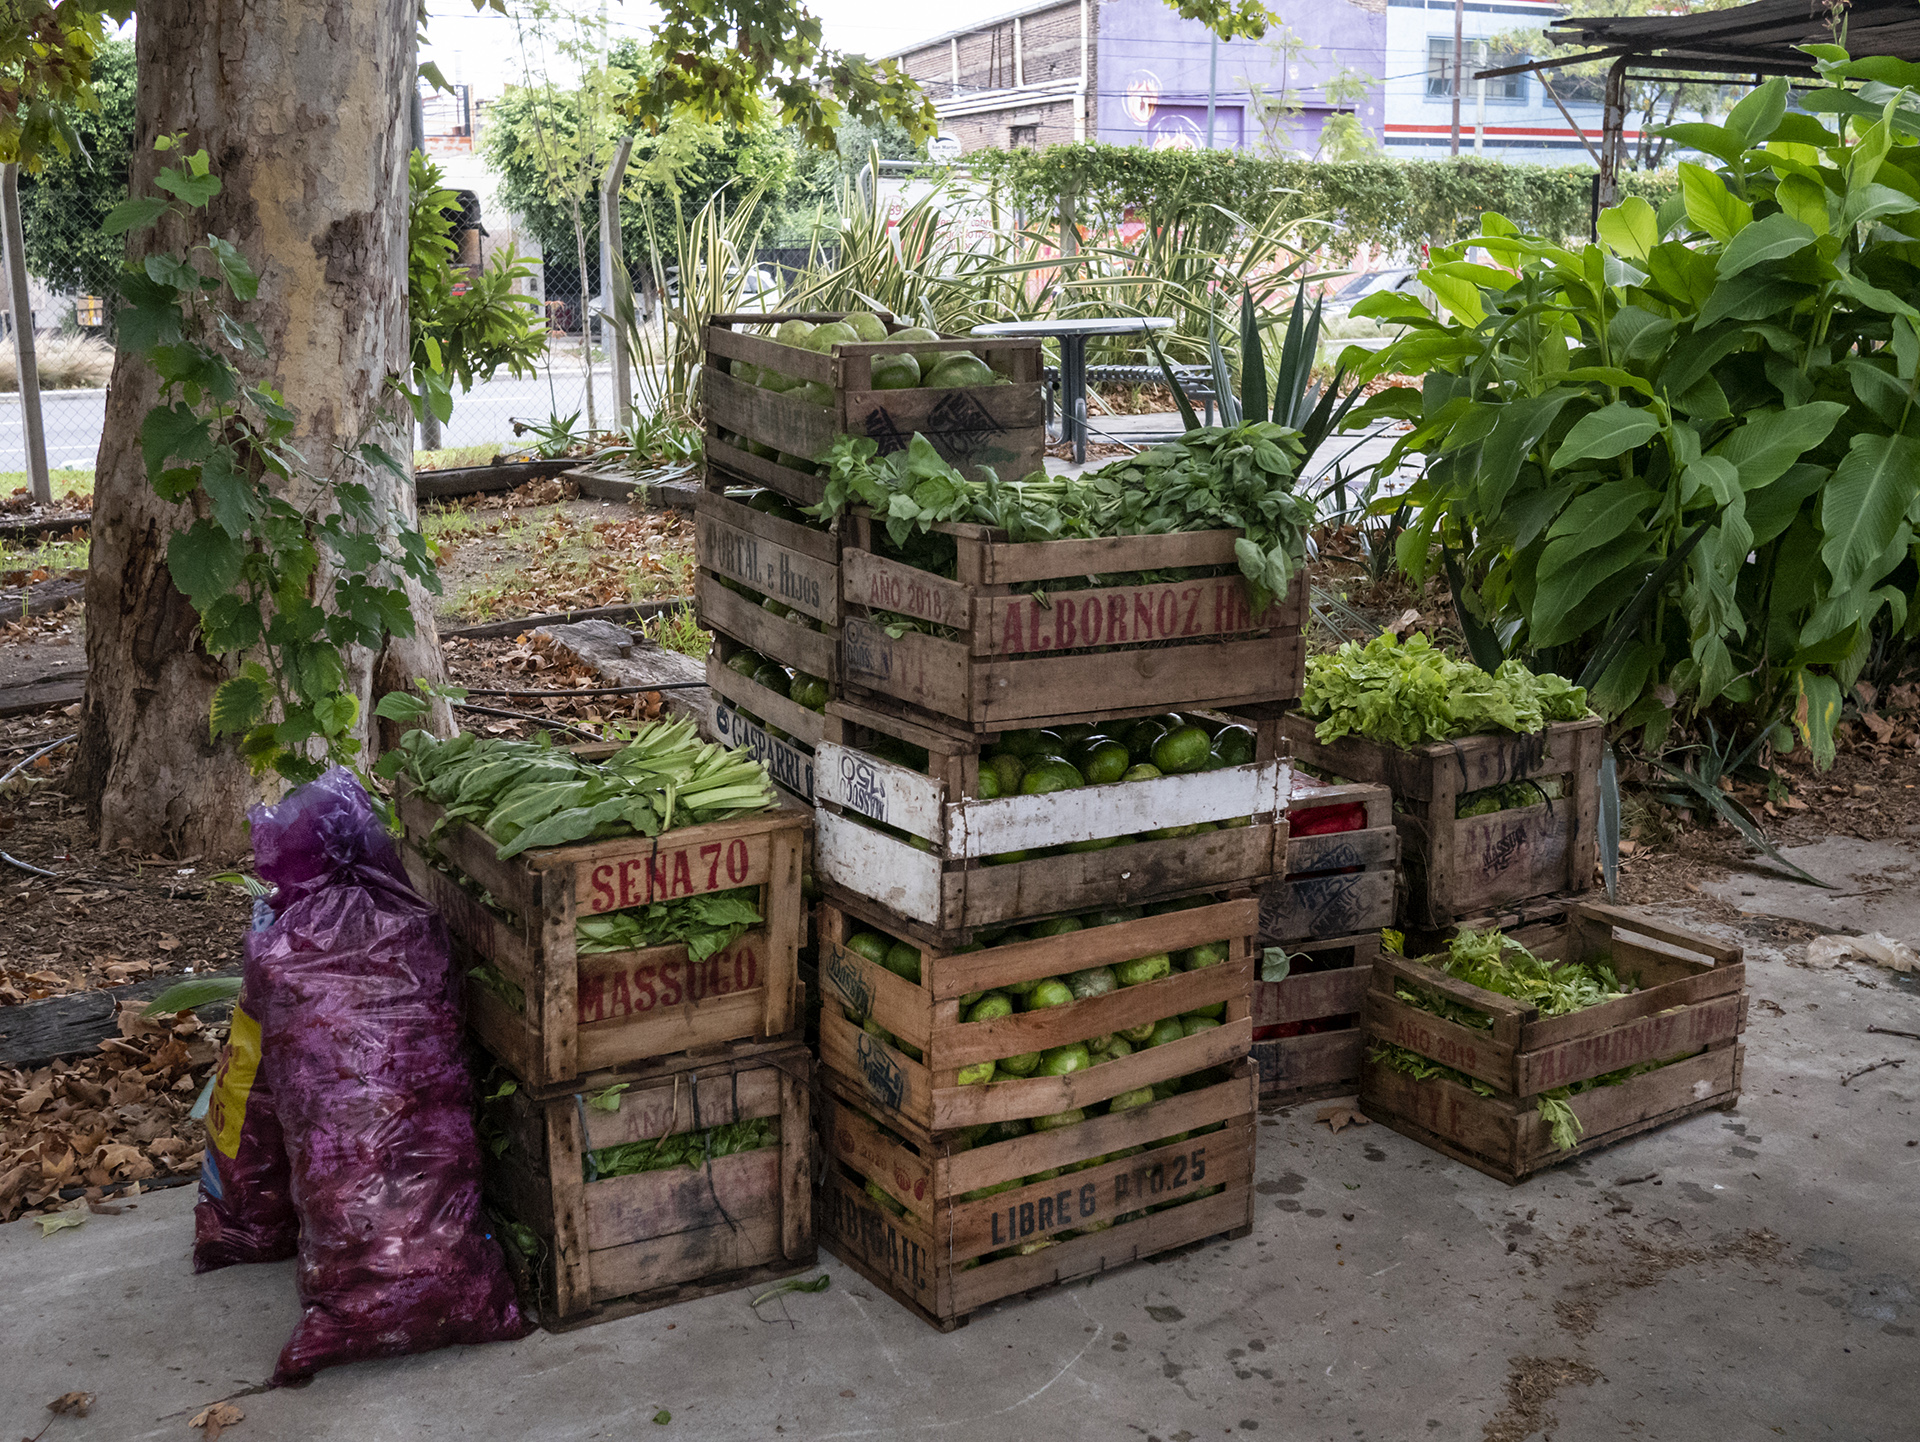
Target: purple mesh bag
x: 362, y: 1046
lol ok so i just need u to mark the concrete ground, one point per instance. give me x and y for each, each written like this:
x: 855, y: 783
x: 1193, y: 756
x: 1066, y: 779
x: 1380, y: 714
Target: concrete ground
x: 1760, y: 1279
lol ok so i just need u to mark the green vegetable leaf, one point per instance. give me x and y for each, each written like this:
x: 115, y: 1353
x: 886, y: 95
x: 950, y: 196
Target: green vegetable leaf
x: 1606, y: 433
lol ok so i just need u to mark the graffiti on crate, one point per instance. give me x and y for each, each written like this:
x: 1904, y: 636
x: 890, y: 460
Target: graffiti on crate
x: 843, y: 974
x: 863, y: 788
x: 960, y: 428
x: 886, y: 1082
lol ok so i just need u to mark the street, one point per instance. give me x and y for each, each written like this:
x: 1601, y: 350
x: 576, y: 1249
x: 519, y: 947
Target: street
x: 74, y: 418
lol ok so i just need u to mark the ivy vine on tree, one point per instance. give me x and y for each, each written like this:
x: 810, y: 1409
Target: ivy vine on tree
x: 286, y: 568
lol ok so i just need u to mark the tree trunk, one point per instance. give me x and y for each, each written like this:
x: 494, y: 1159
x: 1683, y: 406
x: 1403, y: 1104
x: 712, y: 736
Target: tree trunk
x: 302, y: 111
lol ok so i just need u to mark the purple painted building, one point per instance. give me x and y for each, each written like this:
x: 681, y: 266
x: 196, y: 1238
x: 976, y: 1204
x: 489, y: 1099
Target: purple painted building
x: 1132, y: 72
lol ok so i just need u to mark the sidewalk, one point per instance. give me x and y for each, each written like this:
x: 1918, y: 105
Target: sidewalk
x: 1767, y: 1285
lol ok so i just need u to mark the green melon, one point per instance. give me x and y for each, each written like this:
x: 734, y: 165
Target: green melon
x: 928, y: 359
x: 867, y: 325
x: 823, y: 338
x: 793, y: 332
x: 959, y: 370
x: 895, y: 373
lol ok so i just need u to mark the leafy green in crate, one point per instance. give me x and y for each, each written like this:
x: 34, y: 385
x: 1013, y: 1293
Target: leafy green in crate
x: 527, y: 794
x: 1408, y: 693
x: 1494, y: 961
x: 1210, y: 479
x: 682, y: 1149
x: 706, y: 924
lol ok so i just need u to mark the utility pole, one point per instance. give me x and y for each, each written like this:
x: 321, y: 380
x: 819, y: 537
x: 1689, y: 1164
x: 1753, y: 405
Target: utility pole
x: 1213, y: 85
x: 36, y: 432
x: 1459, y: 25
x: 616, y: 293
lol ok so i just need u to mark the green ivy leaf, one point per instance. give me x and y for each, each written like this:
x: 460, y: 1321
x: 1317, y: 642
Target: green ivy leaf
x: 194, y: 190
x: 150, y: 317
x: 235, y: 504
x: 336, y: 714
x: 204, y: 562
x: 241, y: 280
x: 173, y: 431
x: 231, y: 623
x: 135, y: 214
x: 239, y: 702
x: 402, y: 706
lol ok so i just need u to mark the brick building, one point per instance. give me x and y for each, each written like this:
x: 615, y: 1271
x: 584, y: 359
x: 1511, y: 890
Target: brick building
x: 1133, y: 72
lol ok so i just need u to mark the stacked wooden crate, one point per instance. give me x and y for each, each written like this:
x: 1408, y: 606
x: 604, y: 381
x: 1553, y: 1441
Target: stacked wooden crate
x: 1323, y: 916
x: 1667, y: 1049
x: 947, y: 1190
x: 629, y: 1048
x: 1467, y: 870
x: 762, y: 442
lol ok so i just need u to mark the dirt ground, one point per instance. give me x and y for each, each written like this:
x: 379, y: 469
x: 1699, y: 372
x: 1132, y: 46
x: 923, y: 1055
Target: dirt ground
x: 540, y: 549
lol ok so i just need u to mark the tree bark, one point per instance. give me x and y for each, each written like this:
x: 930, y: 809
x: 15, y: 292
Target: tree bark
x: 302, y: 111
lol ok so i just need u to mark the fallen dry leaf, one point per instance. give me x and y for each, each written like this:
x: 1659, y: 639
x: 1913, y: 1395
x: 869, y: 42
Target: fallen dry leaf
x: 1338, y: 1118
x: 168, y: 943
x: 217, y: 1418
x: 35, y: 1099
x: 60, y: 1221
x: 71, y: 1404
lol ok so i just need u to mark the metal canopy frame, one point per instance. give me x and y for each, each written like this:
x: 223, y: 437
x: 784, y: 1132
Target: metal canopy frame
x: 1755, y: 40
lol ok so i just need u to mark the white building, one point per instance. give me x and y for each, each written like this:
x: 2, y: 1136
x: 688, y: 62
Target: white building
x: 1511, y: 118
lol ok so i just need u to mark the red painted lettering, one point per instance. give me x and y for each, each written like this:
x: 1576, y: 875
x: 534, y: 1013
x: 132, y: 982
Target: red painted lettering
x: 592, y: 998
x: 602, y: 888
x: 672, y: 990
x: 622, y: 1004
x: 1167, y: 614
x: 1222, y: 608
x: 1033, y: 629
x: 1010, y: 633
x: 746, y: 969
x: 629, y: 874
x: 713, y: 871
x: 682, y: 875
x: 1065, y: 632
x: 1193, y: 612
x: 738, y: 861
x: 1142, y: 616
x: 656, y: 878
x: 644, y: 995
x: 1116, y: 618
x: 1092, y: 615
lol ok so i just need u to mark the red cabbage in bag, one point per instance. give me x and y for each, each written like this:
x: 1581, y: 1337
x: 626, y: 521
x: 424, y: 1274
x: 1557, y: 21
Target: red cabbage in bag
x: 359, y: 1006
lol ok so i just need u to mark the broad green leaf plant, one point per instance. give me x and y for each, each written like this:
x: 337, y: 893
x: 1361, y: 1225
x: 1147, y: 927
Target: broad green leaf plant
x: 1691, y: 447
x: 288, y: 569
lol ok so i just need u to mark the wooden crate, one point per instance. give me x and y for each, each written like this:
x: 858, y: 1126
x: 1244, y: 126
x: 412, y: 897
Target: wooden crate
x: 1464, y: 866
x: 1692, y: 1003
x: 614, y: 1246
x: 926, y: 1093
x: 948, y: 887
x: 1337, y: 883
x: 1122, y: 650
x: 579, y: 1014
x: 941, y: 1258
x: 788, y: 762
x: 1506, y: 1138
x: 1001, y: 427
x: 1329, y: 980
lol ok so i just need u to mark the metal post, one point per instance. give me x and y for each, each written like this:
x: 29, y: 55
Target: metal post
x: 1213, y: 85
x: 1613, y: 125
x: 1459, y: 23
x: 429, y: 423
x: 15, y: 240
x: 1480, y: 106
x: 613, y: 285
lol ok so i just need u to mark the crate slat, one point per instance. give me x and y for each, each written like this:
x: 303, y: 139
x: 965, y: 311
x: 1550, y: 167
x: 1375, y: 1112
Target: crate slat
x: 577, y: 1014
x: 650, y: 1238
x: 1462, y: 867
x: 947, y: 1256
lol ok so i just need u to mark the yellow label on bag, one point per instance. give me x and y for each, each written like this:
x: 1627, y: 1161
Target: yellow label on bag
x: 239, y: 1063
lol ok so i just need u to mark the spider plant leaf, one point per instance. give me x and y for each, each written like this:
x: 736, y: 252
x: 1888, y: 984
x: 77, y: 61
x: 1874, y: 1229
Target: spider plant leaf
x: 1187, y: 416
x: 1736, y: 816
x: 1609, y: 820
x: 1253, y: 365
